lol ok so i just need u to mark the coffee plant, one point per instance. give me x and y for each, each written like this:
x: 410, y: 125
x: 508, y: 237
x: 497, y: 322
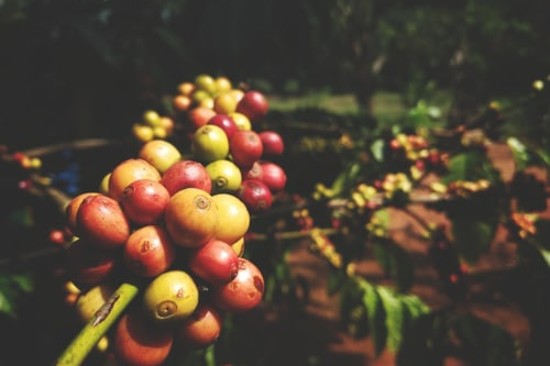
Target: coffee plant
x: 184, y: 231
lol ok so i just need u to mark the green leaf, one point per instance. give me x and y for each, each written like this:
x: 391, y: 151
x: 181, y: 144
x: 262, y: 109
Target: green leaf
x: 383, y: 217
x: 394, y: 317
x: 406, y: 322
x: 525, y: 156
x: 12, y: 286
x: 533, y: 256
x: 520, y: 153
x: 421, y: 115
x: 352, y: 311
x: 396, y: 262
x: 416, y: 306
x: 546, y: 255
x: 25, y: 282
x: 23, y: 216
x: 7, y: 303
x: 487, y: 343
x: 472, y: 238
x: 346, y: 178
x: 531, y: 248
x: 375, y: 314
x: 471, y: 166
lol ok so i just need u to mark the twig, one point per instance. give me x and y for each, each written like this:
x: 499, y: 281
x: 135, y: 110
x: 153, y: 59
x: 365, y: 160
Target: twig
x: 425, y: 225
x: 60, y: 198
x: 73, y: 145
x: 290, y: 235
x: 30, y: 256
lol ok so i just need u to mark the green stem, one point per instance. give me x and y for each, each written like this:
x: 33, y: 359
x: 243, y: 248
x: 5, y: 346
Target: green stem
x: 210, y: 356
x: 98, y: 325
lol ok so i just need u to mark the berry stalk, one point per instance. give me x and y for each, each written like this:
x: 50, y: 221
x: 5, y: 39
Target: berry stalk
x: 98, y: 325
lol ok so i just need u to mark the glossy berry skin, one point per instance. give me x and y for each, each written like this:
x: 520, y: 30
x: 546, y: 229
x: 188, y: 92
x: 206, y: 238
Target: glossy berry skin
x: 170, y: 297
x: 102, y: 222
x: 149, y: 251
x: 245, y: 148
x: 253, y: 104
x: 137, y: 342
x: 274, y: 176
x: 233, y: 217
x: 225, y: 122
x: 273, y: 143
x: 144, y: 201
x: 160, y: 153
x: 190, y: 217
x: 201, y: 329
x: 128, y: 171
x: 72, y: 209
x: 215, y: 262
x: 199, y: 116
x: 244, y: 292
x: 209, y: 143
x: 225, y: 176
x: 256, y: 195
x: 186, y: 174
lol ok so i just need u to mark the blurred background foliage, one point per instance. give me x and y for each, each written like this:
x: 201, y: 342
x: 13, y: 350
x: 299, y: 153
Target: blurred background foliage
x: 72, y: 69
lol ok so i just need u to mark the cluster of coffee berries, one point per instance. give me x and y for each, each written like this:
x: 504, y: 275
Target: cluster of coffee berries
x: 221, y: 124
x: 153, y: 126
x: 176, y: 223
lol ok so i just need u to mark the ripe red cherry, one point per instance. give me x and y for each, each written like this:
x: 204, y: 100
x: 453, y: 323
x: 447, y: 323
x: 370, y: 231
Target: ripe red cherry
x: 72, y: 209
x: 273, y: 175
x: 186, y: 174
x: 256, y: 195
x: 199, y: 116
x: 254, y: 172
x: 215, y: 262
x: 225, y: 122
x: 144, y: 200
x: 253, y: 104
x: 88, y: 265
x: 245, y: 148
x: 149, y: 251
x: 244, y: 292
x: 101, y: 221
x: 201, y: 329
x: 137, y: 342
x: 273, y: 143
